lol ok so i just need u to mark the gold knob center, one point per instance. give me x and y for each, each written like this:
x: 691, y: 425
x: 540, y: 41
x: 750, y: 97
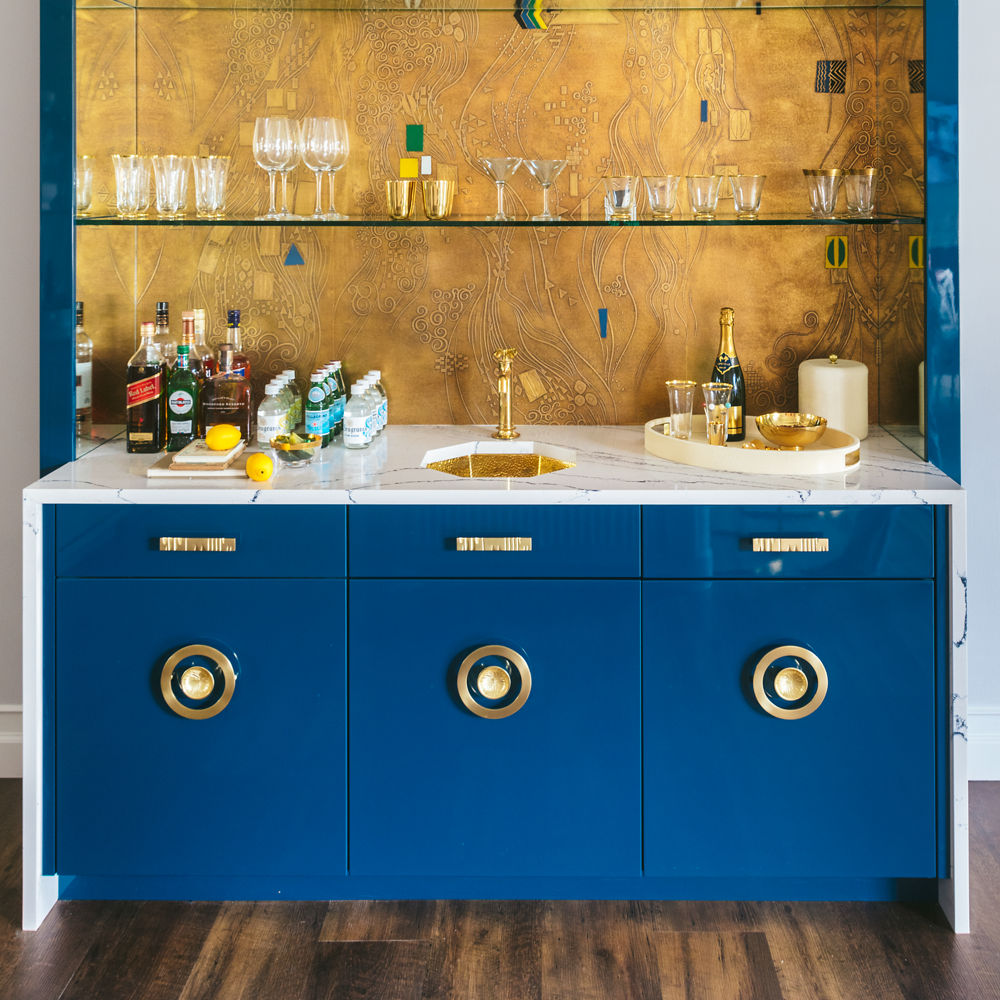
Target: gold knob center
x: 791, y: 684
x: 197, y: 683
x: 493, y: 682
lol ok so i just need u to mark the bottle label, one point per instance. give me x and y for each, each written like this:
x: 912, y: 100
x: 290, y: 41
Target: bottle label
x: 181, y: 426
x: 383, y: 412
x: 354, y: 430
x: 338, y: 409
x: 314, y: 421
x: 242, y: 370
x: 84, y: 371
x: 269, y: 425
x: 143, y: 391
x: 725, y: 363
x: 316, y: 394
x: 180, y: 402
x: 735, y: 421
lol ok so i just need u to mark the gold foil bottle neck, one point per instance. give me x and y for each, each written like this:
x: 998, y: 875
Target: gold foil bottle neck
x: 727, y: 344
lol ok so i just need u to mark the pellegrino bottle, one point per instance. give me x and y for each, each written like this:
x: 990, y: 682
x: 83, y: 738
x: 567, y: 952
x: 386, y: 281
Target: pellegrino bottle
x: 183, y: 390
x: 727, y: 369
x: 145, y: 428
x: 84, y: 376
x: 241, y: 363
x: 316, y: 413
x: 225, y: 399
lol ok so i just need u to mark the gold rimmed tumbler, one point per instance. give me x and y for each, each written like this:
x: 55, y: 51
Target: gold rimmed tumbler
x: 439, y: 194
x: 399, y: 197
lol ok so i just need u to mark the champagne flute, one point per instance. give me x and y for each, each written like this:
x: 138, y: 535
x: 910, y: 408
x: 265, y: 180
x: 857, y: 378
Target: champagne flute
x: 545, y: 172
x: 342, y: 146
x: 501, y: 169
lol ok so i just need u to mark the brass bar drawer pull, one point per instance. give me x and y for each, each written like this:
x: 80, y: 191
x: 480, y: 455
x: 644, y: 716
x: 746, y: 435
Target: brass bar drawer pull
x: 493, y: 544
x: 197, y: 544
x: 791, y: 545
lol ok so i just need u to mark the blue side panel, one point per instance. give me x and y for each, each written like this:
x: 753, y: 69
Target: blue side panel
x: 942, y: 686
x: 57, y: 392
x: 553, y: 789
x: 731, y: 790
x: 943, y: 399
x: 443, y: 887
x: 258, y: 788
x: 49, y: 691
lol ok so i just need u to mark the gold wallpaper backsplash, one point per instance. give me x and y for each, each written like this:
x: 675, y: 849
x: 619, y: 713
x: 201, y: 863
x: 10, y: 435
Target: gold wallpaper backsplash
x: 646, y: 92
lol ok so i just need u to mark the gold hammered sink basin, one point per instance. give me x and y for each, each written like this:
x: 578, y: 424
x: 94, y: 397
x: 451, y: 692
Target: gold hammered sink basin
x: 499, y: 459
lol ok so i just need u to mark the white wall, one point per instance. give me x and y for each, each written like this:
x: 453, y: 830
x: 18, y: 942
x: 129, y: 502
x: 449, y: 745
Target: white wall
x: 18, y: 335
x: 979, y: 247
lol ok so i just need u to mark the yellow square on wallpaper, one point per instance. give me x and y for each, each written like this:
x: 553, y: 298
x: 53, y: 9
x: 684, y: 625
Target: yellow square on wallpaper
x: 409, y: 166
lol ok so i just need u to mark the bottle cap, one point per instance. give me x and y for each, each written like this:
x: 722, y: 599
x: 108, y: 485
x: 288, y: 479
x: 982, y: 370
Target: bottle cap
x: 271, y: 389
x: 147, y: 329
x: 376, y: 373
x: 187, y: 314
x: 161, y: 309
x: 233, y: 317
x: 337, y: 366
x: 79, y: 314
x: 316, y: 377
x: 183, y: 350
x: 289, y: 372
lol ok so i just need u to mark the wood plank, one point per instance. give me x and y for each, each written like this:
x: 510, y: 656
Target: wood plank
x: 147, y: 956
x: 256, y: 950
x: 598, y: 951
x: 486, y: 949
x: 391, y: 920
x: 706, y: 965
x: 365, y: 970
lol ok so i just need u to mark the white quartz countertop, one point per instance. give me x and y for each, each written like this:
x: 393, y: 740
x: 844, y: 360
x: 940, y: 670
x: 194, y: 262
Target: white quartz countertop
x: 611, y: 467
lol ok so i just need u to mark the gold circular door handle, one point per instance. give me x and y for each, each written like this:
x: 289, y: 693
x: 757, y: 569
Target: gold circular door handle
x: 493, y: 682
x: 791, y: 683
x: 197, y: 683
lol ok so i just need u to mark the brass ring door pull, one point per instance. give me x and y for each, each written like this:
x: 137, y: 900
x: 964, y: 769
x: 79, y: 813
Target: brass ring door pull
x: 193, y: 689
x: 796, y: 689
x: 507, y: 682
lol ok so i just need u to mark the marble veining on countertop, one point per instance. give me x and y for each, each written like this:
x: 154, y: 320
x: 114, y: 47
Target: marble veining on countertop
x: 612, y: 466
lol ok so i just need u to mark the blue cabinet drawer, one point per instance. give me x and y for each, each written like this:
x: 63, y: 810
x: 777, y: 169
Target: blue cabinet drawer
x: 124, y: 541
x: 788, y: 542
x: 552, y: 787
x: 847, y: 789
x: 445, y: 541
x: 257, y: 789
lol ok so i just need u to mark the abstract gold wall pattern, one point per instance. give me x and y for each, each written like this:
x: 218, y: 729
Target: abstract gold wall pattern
x: 686, y: 91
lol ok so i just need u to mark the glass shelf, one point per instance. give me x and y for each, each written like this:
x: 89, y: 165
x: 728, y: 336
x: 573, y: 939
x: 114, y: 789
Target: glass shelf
x: 547, y: 9
x: 479, y: 223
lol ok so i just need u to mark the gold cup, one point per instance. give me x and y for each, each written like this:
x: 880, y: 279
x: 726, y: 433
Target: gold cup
x: 438, y: 197
x: 399, y: 195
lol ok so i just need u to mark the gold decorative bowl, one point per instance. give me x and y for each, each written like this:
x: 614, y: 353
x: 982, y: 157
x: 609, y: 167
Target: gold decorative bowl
x: 791, y: 430
x: 294, y: 450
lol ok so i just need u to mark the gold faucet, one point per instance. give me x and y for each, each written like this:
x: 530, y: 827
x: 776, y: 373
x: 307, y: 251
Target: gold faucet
x: 505, y: 425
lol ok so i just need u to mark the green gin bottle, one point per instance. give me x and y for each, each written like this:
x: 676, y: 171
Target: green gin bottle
x: 182, y: 401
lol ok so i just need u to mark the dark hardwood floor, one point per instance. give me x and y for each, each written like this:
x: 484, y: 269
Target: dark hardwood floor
x: 503, y: 951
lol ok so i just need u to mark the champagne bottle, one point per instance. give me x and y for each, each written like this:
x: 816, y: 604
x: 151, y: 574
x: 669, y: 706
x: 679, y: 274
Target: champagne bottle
x: 727, y: 369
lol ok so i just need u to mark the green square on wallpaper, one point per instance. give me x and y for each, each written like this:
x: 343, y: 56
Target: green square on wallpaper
x: 414, y: 138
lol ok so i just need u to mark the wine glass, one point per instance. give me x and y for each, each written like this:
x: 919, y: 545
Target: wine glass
x: 545, y: 172
x: 273, y: 146
x: 501, y: 169
x: 320, y: 150
x: 342, y: 143
x: 287, y: 156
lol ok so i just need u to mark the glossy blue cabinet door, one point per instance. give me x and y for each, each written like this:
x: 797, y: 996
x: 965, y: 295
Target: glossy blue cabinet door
x: 731, y: 790
x: 259, y: 789
x: 552, y: 789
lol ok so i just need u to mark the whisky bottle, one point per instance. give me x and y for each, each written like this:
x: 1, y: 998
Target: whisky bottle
x: 727, y: 369
x: 165, y: 341
x: 183, y: 390
x: 84, y: 376
x: 241, y: 363
x: 225, y: 398
x: 204, y: 353
x: 144, y: 431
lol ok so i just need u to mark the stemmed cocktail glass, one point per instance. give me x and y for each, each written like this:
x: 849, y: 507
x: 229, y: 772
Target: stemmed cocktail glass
x: 545, y: 172
x: 501, y: 169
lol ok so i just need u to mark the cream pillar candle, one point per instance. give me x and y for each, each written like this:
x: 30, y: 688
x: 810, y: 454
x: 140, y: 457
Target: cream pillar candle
x: 837, y: 390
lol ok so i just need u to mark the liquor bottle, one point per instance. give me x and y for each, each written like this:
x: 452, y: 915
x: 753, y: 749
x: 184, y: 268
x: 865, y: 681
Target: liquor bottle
x: 241, y: 363
x: 165, y: 341
x: 183, y: 390
x: 189, y: 338
x: 225, y: 399
x: 727, y: 369
x: 204, y: 353
x: 144, y: 396
x: 84, y: 376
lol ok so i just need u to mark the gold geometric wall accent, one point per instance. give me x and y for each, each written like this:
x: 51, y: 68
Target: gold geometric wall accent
x: 642, y: 91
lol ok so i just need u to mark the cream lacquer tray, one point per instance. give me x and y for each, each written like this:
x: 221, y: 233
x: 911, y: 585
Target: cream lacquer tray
x: 835, y: 451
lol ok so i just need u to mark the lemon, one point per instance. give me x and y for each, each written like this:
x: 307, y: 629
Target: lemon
x: 259, y: 467
x: 222, y: 437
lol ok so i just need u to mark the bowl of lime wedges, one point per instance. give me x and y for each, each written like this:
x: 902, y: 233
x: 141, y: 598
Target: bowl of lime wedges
x: 295, y: 450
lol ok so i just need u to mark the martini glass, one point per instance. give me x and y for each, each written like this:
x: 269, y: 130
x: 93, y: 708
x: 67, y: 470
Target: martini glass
x: 545, y: 172
x: 501, y: 169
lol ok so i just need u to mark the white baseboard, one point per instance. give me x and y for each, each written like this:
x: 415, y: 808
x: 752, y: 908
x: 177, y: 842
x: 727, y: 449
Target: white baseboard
x: 984, y: 743
x: 10, y: 741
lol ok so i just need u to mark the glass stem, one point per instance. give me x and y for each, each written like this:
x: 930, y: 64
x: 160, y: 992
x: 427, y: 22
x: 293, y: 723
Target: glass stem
x: 545, y: 200
x: 284, y: 192
x: 333, y: 174
x: 319, y: 192
x: 270, y: 175
x: 500, y: 186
